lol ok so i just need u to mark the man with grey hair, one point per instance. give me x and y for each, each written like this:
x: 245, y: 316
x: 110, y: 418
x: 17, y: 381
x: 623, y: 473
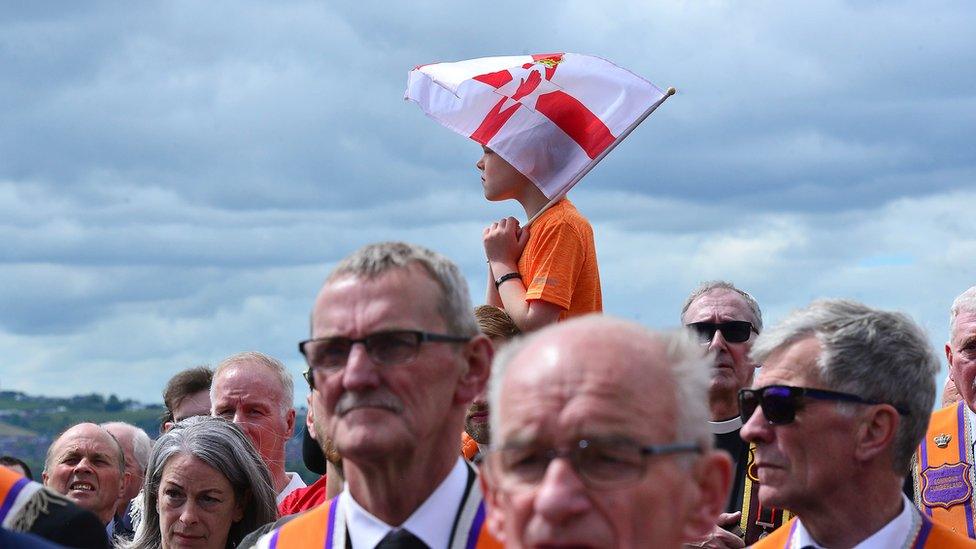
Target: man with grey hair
x: 394, y: 360
x: 943, y: 466
x: 583, y: 457
x: 255, y: 391
x: 726, y: 321
x: 136, y: 446
x: 838, y: 408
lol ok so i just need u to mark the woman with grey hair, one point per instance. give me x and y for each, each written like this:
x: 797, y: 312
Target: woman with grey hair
x: 205, y: 486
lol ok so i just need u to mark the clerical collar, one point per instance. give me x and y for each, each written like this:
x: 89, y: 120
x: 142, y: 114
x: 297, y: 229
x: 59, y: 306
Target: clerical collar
x: 725, y: 426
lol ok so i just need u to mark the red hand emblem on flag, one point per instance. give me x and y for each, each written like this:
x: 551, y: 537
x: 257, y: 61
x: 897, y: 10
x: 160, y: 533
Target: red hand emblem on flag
x: 567, y: 112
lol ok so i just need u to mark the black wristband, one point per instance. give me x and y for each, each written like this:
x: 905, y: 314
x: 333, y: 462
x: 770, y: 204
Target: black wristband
x: 505, y: 277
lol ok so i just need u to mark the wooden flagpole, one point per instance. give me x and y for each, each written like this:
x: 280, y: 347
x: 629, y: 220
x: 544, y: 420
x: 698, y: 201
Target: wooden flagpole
x: 595, y: 161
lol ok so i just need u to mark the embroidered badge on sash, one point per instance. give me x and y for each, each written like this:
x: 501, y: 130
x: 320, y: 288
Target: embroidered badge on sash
x: 946, y: 485
x: 942, y: 440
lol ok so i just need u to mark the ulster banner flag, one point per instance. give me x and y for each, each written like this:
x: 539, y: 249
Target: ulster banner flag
x: 551, y: 116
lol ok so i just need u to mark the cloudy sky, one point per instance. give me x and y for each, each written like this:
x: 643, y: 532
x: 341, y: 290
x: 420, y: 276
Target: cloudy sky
x: 177, y: 178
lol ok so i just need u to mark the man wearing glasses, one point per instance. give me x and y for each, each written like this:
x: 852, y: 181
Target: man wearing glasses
x: 394, y: 360
x: 583, y: 457
x: 839, y: 406
x: 726, y: 321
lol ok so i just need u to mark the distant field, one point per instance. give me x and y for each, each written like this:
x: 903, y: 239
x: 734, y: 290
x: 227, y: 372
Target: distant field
x: 13, y: 431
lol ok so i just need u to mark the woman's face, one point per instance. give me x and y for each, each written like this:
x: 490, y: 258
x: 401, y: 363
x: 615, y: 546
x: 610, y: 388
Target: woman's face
x: 196, y: 504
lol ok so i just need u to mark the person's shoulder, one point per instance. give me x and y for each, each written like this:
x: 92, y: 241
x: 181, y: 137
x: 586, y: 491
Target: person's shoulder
x: 563, y: 216
x: 61, y: 521
x: 941, y: 536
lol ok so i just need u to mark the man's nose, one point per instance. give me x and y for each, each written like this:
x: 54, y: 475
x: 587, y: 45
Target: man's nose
x: 561, y: 494
x: 360, y: 371
x: 756, y: 429
x: 84, y: 464
x: 718, y: 341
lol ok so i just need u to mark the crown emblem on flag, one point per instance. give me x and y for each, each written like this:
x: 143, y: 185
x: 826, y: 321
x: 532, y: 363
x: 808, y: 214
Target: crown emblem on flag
x: 942, y: 440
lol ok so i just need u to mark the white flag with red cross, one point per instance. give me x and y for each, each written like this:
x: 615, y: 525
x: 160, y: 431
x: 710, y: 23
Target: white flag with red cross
x: 551, y: 116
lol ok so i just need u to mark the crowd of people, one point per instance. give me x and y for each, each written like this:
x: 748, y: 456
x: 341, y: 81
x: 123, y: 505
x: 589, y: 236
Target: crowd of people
x: 534, y: 421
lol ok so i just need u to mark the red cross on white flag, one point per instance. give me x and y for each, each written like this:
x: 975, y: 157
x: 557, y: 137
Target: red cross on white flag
x: 552, y: 116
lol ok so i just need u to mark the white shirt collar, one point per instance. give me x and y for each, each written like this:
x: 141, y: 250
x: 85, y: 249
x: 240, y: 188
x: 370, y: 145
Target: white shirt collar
x: 726, y: 426
x: 294, y: 483
x: 893, y: 534
x: 431, y: 522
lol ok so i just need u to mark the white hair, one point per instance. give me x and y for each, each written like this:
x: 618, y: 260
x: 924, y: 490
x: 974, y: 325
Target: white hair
x: 877, y: 355
x: 712, y: 285
x: 374, y: 260
x: 964, y: 302
x: 141, y: 443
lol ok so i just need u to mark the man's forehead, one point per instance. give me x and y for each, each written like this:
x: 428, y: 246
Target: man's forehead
x: 722, y: 303
x: 554, y: 377
x: 86, y: 440
x: 403, y: 297
x: 793, y: 364
x: 964, y: 327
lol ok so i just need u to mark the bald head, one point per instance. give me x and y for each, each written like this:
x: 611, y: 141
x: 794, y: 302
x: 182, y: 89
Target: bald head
x: 592, y: 388
x: 607, y: 353
x: 87, y: 465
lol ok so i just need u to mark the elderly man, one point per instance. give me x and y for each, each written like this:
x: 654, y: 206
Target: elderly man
x: 27, y: 506
x: 943, y: 468
x: 255, y: 391
x: 136, y: 446
x: 583, y: 458
x: 86, y: 464
x: 394, y: 359
x: 840, y: 405
x: 727, y: 321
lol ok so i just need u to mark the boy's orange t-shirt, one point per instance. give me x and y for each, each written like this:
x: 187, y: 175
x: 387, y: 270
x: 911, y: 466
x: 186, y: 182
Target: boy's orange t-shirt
x: 558, y: 264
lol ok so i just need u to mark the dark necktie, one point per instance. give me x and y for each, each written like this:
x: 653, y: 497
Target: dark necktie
x: 401, y: 539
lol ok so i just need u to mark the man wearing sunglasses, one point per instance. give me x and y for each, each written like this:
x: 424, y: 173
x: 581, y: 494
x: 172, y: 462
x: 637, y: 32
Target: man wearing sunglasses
x: 394, y: 359
x: 943, y: 468
x: 582, y: 456
x: 839, y: 406
x: 726, y: 321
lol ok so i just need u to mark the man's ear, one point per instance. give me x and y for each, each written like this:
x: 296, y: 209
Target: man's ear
x: 290, y: 420
x: 44, y: 478
x: 477, y: 354
x: 948, y: 351
x: 494, y: 516
x: 713, y: 474
x: 167, y: 426
x: 126, y: 479
x: 876, y: 433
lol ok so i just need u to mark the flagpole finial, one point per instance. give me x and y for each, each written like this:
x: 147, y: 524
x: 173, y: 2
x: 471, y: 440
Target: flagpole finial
x: 671, y: 91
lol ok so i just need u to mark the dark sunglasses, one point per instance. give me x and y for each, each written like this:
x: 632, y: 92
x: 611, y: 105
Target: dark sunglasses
x: 780, y: 402
x: 734, y: 331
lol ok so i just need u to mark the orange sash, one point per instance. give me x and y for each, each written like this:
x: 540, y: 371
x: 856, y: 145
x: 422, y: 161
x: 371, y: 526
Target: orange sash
x: 943, y: 470
x: 926, y: 535
x: 324, y: 526
x: 11, y: 486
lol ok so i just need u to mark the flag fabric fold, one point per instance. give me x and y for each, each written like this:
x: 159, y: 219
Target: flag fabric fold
x: 552, y: 116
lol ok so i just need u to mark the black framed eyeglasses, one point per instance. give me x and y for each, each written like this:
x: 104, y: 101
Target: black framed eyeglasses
x: 600, y: 464
x: 780, y: 402
x: 326, y: 355
x: 733, y: 331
